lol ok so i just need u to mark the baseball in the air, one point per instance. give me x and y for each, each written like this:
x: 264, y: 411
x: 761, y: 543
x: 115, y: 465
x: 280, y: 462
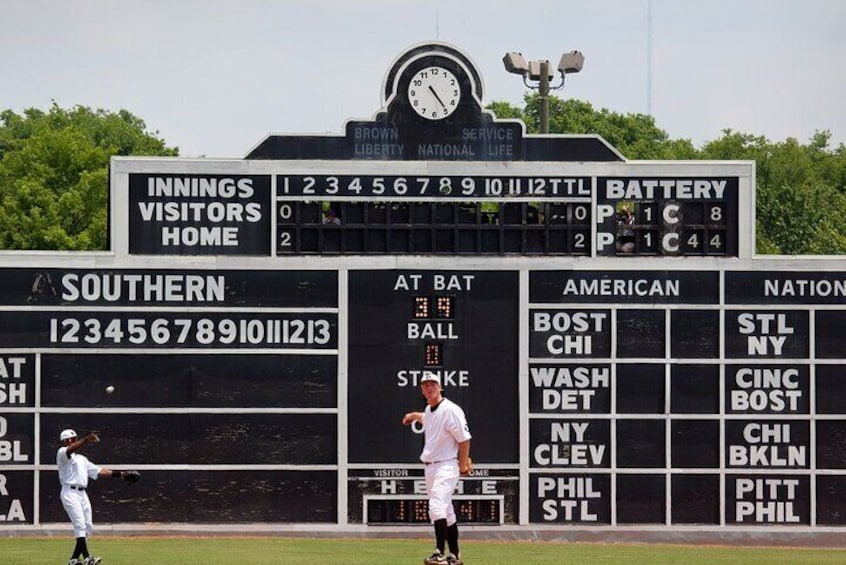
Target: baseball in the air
x: 110, y: 389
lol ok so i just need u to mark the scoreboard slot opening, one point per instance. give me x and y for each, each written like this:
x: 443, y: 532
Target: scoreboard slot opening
x: 443, y: 228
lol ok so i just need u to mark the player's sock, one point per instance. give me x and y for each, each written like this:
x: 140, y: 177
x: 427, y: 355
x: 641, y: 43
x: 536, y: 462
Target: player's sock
x: 440, y: 533
x: 452, y: 538
x: 81, y: 549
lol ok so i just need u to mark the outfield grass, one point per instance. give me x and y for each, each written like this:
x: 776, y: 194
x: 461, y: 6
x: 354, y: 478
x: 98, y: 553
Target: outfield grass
x: 268, y: 550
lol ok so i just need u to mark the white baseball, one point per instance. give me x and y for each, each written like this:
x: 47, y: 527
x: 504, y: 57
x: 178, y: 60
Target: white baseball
x: 110, y: 389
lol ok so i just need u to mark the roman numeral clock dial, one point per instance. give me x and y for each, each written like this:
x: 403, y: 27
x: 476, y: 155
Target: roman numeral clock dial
x: 434, y: 93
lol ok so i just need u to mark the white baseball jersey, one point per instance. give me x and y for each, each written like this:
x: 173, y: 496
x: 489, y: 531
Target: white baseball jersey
x: 76, y: 469
x: 444, y: 428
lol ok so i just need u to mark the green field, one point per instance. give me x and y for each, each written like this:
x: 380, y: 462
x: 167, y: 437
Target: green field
x: 269, y: 550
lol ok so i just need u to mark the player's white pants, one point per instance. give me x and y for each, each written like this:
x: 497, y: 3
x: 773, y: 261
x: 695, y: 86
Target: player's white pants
x: 78, y: 508
x: 441, y: 480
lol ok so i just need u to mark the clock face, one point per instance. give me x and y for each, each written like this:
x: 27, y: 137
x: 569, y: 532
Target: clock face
x: 434, y: 93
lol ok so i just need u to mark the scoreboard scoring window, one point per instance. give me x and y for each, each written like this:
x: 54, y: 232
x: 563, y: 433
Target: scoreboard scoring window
x: 444, y: 214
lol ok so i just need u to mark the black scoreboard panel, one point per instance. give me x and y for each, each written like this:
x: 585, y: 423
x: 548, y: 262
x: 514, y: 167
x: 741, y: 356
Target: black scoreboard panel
x: 441, y: 215
x: 439, y: 228
x: 199, y: 214
x: 655, y: 397
x: 395, y: 510
x: 395, y: 321
x: 218, y: 380
x: 673, y: 216
x: 491, y: 214
x: 397, y: 496
x: 338, y: 208
x: 225, y: 391
x: 206, y: 438
x: 460, y: 325
x: 207, y: 497
x: 699, y: 397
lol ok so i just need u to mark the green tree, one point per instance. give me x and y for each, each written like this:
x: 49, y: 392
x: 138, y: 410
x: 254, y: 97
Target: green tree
x: 54, y: 169
x: 636, y: 136
x: 800, y: 191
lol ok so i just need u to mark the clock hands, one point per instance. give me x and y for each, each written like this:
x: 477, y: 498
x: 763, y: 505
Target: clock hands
x: 433, y: 93
x: 438, y: 98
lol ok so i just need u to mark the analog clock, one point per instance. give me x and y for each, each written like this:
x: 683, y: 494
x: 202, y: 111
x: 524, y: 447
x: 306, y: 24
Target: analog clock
x: 434, y: 93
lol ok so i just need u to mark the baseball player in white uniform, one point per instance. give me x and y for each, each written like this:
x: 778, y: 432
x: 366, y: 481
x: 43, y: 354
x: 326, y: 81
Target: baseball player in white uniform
x: 75, y: 470
x: 446, y: 456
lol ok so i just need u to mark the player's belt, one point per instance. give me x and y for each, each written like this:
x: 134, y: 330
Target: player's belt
x: 74, y: 487
x: 441, y: 461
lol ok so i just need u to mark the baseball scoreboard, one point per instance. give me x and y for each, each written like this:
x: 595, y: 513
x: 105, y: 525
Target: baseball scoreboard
x: 623, y: 357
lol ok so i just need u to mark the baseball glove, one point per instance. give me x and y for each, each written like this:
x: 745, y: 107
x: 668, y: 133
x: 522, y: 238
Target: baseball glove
x: 130, y: 477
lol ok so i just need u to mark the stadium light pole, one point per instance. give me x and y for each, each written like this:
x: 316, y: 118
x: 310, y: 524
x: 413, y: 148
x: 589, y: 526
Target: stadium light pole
x: 570, y: 63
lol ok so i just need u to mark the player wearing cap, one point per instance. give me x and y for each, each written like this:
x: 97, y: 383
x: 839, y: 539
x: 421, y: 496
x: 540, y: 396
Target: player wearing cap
x: 74, y: 472
x: 445, y: 456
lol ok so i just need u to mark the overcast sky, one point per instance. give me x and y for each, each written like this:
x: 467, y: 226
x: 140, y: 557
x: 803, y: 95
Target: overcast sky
x: 214, y: 77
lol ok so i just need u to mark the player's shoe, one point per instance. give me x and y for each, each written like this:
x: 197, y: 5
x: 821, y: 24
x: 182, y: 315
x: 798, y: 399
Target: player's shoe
x: 91, y: 560
x: 453, y: 559
x: 74, y: 562
x: 437, y: 558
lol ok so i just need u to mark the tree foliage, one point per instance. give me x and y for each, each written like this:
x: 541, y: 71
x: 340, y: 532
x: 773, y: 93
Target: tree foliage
x: 800, y: 189
x: 54, y: 172
x: 54, y: 169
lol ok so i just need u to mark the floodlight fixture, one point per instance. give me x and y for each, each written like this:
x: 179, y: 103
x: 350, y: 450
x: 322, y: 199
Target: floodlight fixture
x: 535, y: 70
x: 515, y: 63
x: 571, y: 62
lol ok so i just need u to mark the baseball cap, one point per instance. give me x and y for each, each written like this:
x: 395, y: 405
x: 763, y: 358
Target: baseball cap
x: 429, y: 376
x: 66, y: 434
